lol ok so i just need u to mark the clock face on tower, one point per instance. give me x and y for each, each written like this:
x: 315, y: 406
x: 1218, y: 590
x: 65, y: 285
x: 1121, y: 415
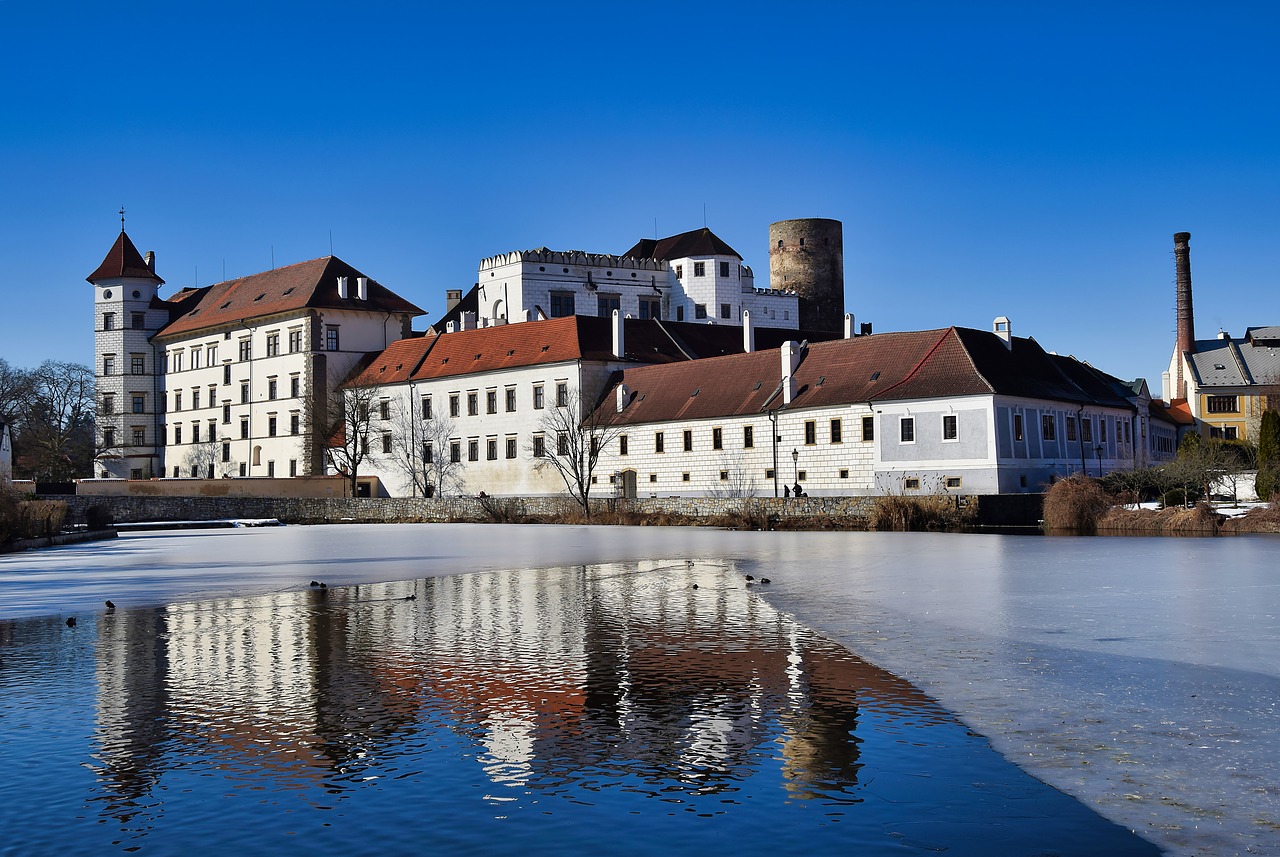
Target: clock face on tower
x: 107, y: 294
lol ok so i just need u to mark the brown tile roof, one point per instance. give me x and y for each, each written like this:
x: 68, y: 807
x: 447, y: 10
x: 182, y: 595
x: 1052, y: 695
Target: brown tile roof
x: 1177, y: 411
x: 698, y: 242
x: 883, y: 367
x: 305, y: 285
x: 555, y: 340
x: 123, y: 260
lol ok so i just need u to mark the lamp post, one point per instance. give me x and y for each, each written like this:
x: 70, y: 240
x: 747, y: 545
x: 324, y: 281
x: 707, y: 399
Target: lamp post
x: 1097, y: 450
x: 795, y: 468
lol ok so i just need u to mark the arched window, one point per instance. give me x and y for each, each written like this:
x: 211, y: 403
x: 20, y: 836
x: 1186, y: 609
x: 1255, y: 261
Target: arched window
x: 257, y: 456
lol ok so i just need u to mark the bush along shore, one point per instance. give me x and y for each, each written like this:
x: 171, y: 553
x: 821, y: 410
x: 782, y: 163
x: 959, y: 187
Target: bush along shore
x: 1080, y: 506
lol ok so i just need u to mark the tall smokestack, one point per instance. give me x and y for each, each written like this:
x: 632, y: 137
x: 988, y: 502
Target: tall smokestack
x: 1186, y: 320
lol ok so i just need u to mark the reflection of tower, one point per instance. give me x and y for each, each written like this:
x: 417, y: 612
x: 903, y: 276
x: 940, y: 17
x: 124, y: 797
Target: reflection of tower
x: 807, y: 257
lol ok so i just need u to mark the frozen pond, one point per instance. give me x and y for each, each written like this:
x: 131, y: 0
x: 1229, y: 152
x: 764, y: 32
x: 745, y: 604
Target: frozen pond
x: 1140, y: 675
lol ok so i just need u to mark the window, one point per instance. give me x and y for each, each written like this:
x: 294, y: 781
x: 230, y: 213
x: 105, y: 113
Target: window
x: 384, y: 409
x: 1128, y: 437
x: 272, y: 388
x: 271, y: 426
x: 802, y: 476
x: 699, y: 310
x: 473, y: 403
x: 226, y: 414
x: 108, y: 321
x: 195, y: 398
x: 844, y: 473
x: 1071, y: 428
x: 226, y: 374
x: 135, y: 473
x: 726, y: 311
x: 295, y: 340
x: 699, y: 269
x: 606, y: 304
x: 293, y: 467
x: 331, y: 337
x: 386, y: 443
x: 511, y: 400
x: 175, y: 361
x: 176, y: 474
x: 911, y: 483
x: 1102, y: 429
x: 1229, y: 432
x: 650, y: 307
x: 140, y: 403
x: 295, y: 424
x: 244, y: 393
x: 137, y: 320
x: 426, y: 407
x: 177, y: 401
x: 177, y: 434
x: 768, y: 474
x: 491, y: 401
x: 748, y: 437
x: 562, y: 394
x: 273, y: 346
x: 245, y: 349
x: 653, y: 477
x: 688, y: 440
x: 907, y: 430
x: 953, y: 482
x: 837, y: 431
x: 724, y: 270
x: 108, y: 403
x: 295, y: 386
x: 717, y: 438
x: 679, y: 272
x: 138, y: 364
x: 539, y: 446
x: 1221, y: 405
x: 455, y: 451
x: 538, y: 402
x: 453, y: 404
x: 658, y: 444
x: 868, y: 428
x: 511, y: 446
x: 428, y: 452
x: 724, y: 476
x: 195, y: 434
x: 491, y: 449
x: 680, y: 313
x: 1048, y: 429
x: 810, y: 432
x: 473, y: 449
x: 211, y: 352
x: 109, y: 365
x: 950, y: 427
x: 1017, y: 426
x: 561, y: 304
x: 244, y: 469
x: 562, y: 444
x: 244, y: 428
x: 226, y: 452
x: 1086, y: 429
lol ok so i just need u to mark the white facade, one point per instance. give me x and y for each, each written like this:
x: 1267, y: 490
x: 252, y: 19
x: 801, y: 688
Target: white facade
x: 529, y: 284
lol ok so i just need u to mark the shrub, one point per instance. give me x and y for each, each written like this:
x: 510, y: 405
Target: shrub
x: 503, y: 510
x: 913, y: 514
x: 1075, y: 504
x: 30, y: 519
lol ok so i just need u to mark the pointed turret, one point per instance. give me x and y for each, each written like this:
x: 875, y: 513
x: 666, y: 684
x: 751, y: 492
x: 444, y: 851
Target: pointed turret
x: 124, y: 261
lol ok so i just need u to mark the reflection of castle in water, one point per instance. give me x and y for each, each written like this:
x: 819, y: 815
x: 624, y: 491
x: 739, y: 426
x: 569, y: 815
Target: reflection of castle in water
x: 566, y: 678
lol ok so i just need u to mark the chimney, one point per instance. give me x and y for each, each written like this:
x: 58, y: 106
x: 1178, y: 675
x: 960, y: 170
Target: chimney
x: 150, y: 259
x: 624, y: 396
x: 792, y: 354
x: 848, y: 325
x: 342, y: 287
x: 1186, y: 322
x: 748, y: 332
x: 619, y: 341
x: 452, y: 297
x: 362, y: 288
x: 467, y: 321
x: 1003, y: 329
x: 864, y: 329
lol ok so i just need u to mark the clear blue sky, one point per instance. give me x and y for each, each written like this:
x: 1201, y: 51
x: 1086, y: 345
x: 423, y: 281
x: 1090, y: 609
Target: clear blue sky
x: 1022, y: 159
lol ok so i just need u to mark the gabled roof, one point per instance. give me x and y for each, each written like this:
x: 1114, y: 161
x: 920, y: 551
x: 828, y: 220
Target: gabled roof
x: 555, y: 340
x: 304, y: 285
x: 1268, y: 336
x: 883, y: 367
x: 123, y: 260
x: 1231, y: 363
x: 699, y: 242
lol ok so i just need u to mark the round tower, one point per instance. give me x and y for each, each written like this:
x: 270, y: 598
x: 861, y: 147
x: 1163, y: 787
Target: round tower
x: 806, y: 256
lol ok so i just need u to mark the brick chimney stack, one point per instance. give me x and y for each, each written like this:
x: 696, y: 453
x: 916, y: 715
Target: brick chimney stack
x: 1186, y: 320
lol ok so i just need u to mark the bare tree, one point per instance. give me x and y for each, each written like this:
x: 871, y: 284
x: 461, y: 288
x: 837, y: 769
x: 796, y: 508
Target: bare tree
x: 444, y: 476
x: 570, y: 443
x: 420, y: 453
x: 56, y: 438
x: 204, y: 458
x: 344, y: 430
x: 736, y: 481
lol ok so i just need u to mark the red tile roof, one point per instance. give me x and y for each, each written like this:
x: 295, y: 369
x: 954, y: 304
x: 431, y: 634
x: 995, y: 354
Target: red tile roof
x: 697, y: 242
x: 305, y: 285
x: 123, y: 260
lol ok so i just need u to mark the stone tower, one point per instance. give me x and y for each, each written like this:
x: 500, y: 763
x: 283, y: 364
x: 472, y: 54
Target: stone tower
x: 130, y: 404
x: 807, y: 257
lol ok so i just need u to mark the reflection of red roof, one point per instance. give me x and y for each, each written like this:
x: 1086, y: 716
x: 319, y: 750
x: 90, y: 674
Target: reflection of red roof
x: 312, y: 284
x: 123, y: 260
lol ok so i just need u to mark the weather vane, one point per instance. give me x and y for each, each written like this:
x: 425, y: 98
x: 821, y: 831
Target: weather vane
x: 122, y: 218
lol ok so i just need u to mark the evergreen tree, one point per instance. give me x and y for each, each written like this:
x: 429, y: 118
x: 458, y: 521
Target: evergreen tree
x: 1268, y: 455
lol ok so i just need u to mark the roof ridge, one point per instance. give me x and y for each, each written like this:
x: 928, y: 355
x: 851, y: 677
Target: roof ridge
x: 919, y: 363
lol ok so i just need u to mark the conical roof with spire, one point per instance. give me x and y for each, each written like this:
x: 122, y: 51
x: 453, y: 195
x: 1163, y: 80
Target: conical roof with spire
x: 123, y: 260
